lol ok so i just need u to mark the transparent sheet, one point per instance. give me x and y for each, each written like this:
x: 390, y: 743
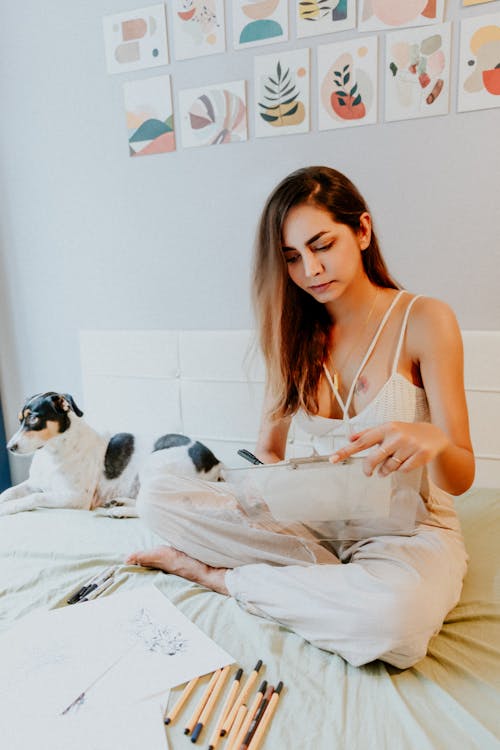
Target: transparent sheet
x: 333, y: 501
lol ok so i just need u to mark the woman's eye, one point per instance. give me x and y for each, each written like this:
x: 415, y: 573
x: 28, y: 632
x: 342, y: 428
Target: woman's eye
x: 291, y: 258
x: 323, y: 247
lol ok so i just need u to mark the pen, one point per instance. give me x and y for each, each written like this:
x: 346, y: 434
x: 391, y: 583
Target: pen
x: 249, y: 456
x: 90, y: 589
x: 85, y: 588
x: 97, y: 591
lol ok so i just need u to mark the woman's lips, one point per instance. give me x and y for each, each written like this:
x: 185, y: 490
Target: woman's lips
x: 320, y: 287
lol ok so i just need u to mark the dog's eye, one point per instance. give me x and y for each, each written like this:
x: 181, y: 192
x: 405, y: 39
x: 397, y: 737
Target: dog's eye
x: 32, y: 419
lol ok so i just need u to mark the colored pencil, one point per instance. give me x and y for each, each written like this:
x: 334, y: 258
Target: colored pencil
x: 205, y: 714
x: 256, y: 719
x: 248, y: 718
x: 172, y: 714
x: 264, y: 722
x: 245, y: 692
x: 201, y: 705
x: 214, y: 740
x: 235, y: 729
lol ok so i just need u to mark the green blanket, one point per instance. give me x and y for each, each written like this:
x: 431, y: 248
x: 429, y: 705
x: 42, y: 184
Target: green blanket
x: 448, y: 700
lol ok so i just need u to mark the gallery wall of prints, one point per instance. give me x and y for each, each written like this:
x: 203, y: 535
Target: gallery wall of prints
x: 402, y: 46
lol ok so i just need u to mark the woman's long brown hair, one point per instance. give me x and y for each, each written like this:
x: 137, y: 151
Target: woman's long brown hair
x: 293, y: 328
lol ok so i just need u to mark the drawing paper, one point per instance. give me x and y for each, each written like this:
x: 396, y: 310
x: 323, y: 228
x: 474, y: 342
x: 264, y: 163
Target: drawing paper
x: 130, y: 646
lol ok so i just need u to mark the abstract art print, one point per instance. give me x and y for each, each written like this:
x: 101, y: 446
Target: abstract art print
x: 258, y: 22
x: 479, y: 63
x: 324, y: 16
x: 347, y: 83
x: 136, y: 39
x: 375, y: 15
x: 213, y: 115
x: 417, y: 72
x: 199, y: 28
x: 148, y: 108
x: 282, y: 93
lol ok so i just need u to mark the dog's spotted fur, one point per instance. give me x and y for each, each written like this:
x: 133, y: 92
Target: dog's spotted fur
x: 76, y: 467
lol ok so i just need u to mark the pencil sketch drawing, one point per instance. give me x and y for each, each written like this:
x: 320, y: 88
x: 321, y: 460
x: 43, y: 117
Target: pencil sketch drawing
x: 156, y: 637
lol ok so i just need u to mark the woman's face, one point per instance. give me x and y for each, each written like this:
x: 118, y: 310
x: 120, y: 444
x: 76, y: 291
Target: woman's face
x: 323, y: 257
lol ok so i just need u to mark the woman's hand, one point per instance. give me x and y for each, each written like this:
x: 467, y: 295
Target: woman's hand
x: 401, y: 446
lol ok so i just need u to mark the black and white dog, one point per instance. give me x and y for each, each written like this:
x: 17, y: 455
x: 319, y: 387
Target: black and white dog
x: 76, y: 467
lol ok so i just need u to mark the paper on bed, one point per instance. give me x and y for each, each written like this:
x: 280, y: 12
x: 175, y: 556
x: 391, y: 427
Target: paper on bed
x: 130, y: 728
x: 131, y: 646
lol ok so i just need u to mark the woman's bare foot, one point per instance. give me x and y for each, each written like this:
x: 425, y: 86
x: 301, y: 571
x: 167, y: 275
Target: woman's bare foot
x: 172, y: 560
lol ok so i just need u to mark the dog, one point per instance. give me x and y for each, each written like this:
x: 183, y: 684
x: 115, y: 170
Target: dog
x: 74, y: 466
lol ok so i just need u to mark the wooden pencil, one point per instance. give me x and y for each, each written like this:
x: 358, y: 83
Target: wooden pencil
x: 264, y: 722
x: 257, y: 717
x: 174, y: 711
x: 238, y: 739
x: 242, y: 698
x: 235, y: 729
x: 205, y: 714
x: 226, y: 708
x: 201, y: 705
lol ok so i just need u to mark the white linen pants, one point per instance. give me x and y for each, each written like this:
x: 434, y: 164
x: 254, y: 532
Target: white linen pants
x: 381, y: 598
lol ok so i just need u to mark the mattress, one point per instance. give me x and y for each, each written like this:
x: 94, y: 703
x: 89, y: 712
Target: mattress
x: 449, y: 699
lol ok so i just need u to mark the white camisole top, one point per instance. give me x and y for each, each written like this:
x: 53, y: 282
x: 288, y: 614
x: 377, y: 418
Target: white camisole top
x: 398, y: 400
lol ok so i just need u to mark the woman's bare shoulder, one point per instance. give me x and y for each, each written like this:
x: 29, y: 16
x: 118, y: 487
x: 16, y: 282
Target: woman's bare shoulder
x: 432, y: 327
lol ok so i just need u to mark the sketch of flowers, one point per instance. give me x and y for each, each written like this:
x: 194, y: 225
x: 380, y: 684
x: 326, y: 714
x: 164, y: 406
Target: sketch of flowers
x: 155, y: 637
x: 281, y: 105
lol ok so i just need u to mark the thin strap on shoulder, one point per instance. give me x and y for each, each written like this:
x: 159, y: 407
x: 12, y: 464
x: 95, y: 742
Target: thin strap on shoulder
x: 402, y: 333
x: 372, y: 346
x: 345, y: 406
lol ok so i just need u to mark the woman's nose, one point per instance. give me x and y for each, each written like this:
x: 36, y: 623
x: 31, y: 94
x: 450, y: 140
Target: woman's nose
x: 312, y: 264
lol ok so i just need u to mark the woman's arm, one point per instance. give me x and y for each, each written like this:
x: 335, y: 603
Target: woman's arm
x: 271, y: 443
x: 434, y: 343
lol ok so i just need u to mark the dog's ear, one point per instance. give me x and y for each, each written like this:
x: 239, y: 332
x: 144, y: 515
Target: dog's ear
x: 71, y: 401
x: 63, y: 402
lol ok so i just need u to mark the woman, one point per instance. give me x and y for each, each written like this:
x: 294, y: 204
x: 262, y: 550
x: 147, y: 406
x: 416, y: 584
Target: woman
x: 361, y: 365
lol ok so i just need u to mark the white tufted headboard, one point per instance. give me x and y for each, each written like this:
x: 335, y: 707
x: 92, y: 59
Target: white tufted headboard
x: 203, y: 384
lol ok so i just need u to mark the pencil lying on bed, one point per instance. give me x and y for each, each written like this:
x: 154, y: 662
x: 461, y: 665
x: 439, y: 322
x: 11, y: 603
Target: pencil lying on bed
x: 242, y: 697
x: 205, y: 714
x: 201, y: 705
x: 266, y: 718
x: 257, y: 717
x: 240, y: 736
x: 172, y: 714
x: 226, y: 708
x: 235, y: 729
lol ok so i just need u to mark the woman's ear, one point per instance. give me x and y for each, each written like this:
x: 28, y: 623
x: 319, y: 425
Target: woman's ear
x: 365, y: 230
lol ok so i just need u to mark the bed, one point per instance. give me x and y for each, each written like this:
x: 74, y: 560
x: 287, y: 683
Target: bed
x: 449, y: 699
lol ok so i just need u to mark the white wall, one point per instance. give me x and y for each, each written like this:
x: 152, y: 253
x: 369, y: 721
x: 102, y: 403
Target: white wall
x: 92, y: 239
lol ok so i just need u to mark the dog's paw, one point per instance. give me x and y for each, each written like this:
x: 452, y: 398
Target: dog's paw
x: 118, y: 511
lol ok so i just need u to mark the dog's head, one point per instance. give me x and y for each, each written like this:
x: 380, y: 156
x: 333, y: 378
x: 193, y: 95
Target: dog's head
x: 41, y: 419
